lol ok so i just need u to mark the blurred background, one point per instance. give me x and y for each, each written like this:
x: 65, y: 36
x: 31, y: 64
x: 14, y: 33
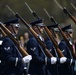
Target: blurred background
x: 38, y: 6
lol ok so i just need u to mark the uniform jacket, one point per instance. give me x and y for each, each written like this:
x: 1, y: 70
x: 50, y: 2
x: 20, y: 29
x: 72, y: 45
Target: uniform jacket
x: 52, y: 68
x: 66, y: 68
x: 37, y: 64
x: 11, y: 58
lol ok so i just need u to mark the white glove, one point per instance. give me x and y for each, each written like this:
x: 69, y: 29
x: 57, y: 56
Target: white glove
x: 53, y: 60
x: 27, y: 58
x: 0, y: 61
x: 63, y: 60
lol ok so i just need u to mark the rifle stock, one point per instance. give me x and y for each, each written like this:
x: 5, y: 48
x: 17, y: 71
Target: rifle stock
x: 23, y: 52
x: 35, y: 35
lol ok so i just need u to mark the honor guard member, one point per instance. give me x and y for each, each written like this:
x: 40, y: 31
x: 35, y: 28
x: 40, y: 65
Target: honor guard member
x: 12, y: 60
x: 57, y: 39
x: 64, y: 59
x: 65, y: 68
x: 69, y: 33
x: 38, y: 63
x: 53, y: 68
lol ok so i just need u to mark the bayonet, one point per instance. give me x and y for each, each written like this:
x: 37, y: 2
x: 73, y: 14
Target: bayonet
x: 51, y: 17
x: 33, y: 12
x: 10, y: 9
x: 29, y: 7
x: 47, y: 13
x: 73, y: 6
x: 58, y: 4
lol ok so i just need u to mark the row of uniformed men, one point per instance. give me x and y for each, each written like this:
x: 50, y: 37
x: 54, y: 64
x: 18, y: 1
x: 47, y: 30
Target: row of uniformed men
x: 13, y: 63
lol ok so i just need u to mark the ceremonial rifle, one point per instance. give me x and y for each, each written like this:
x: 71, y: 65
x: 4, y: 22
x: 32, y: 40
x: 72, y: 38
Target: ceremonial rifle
x: 65, y: 39
x: 34, y: 33
x: 62, y: 33
x: 49, y: 34
x: 66, y: 11
x: 64, y: 36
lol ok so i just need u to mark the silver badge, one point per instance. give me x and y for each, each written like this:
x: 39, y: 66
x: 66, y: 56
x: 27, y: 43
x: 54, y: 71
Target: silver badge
x: 70, y: 42
x: 33, y: 49
x: 63, y: 50
x: 7, y: 48
x: 50, y: 50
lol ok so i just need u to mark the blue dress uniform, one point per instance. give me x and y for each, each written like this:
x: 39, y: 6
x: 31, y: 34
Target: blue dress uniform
x: 66, y: 68
x: 11, y: 57
x: 53, y: 68
x: 37, y: 64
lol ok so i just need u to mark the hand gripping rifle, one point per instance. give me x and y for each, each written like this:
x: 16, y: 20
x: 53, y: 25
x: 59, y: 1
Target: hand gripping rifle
x: 23, y: 52
x: 66, y: 12
x: 49, y: 34
x: 65, y: 39
x: 34, y: 34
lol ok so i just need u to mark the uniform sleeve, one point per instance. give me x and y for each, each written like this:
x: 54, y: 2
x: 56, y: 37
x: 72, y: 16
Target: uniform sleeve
x: 33, y: 49
x: 51, y: 48
x: 65, y: 50
x: 7, y: 53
